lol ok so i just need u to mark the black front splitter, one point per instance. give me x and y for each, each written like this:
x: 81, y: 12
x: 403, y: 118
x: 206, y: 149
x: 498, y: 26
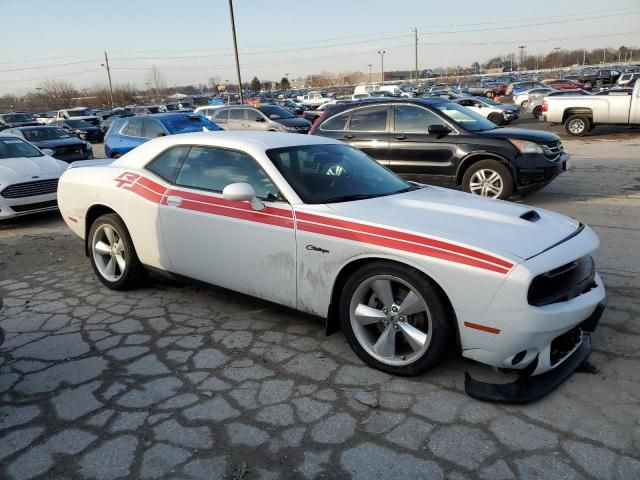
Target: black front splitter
x: 527, y: 388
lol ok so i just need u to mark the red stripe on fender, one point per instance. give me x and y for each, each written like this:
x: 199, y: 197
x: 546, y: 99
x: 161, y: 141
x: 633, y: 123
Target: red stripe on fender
x: 221, y: 202
x: 250, y: 215
x: 144, y: 192
x: 398, y: 245
x: 482, y: 328
x: 306, y: 217
x: 151, y: 185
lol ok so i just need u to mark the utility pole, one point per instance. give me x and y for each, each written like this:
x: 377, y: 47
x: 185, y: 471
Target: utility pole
x: 381, y: 53
x: 235, y: 48
x: 415, y: 32
x: 557, y: 49
x: 521, y: 47
x: 106, y: 65
x: 370, y: 65
x: 584, y: 56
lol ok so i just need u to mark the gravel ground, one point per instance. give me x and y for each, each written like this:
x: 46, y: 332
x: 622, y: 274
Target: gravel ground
x: 175, y: 381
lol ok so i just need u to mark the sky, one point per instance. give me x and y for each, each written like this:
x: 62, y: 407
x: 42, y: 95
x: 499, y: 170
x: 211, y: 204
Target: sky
x: 190, y: 41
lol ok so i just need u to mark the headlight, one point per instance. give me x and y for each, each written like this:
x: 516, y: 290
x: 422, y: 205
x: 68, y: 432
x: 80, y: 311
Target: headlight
x: 526, y: 147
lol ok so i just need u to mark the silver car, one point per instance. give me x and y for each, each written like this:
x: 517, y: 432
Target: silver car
x: 273, y: 118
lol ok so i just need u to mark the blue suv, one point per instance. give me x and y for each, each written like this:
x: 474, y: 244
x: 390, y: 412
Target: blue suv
x: 127, y: 133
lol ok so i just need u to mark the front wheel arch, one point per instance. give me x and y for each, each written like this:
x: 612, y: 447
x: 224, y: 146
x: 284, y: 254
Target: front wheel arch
x: 94, y: 212
x: 332, y: 324
x: 478, y: 157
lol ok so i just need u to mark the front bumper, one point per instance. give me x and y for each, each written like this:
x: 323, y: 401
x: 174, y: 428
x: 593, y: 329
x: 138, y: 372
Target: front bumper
x: 18, y: 207
x: 532, y: 170
x: 529, y: 388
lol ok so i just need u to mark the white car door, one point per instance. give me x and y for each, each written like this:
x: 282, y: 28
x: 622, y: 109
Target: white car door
x: 228, y: 243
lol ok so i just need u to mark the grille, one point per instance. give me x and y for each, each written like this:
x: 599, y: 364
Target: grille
x: 563, y: 283
x: 553, y: 150
x: 562, y: 345
x: 30, y: 189
x: 34, y: 206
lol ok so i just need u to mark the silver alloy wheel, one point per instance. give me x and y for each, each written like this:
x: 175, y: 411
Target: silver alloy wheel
x: 577, y: 126
x: 108, y: 252
x: 335, y: 170
x: 486, y: 183
x: 390, y: 320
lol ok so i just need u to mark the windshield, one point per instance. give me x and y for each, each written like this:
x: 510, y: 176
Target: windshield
x: 78, y: 123
x: 79, y: 113
x: 269, y: 110
x: 44, y: 133
x: 468, y: 119
x: 14, y: 147
x: 188, y: 123
x: 18, y: 117
x: 171, y: 107
x: 335, y: 173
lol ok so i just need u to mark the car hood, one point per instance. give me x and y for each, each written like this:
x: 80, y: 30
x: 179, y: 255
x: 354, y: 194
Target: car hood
x: 492, y: 225
x: 23, y: 124
x: 521, y: 134
x: 60, y: 142
x: 21, y: 168
x: 90, y: 129
x: 294, y: 122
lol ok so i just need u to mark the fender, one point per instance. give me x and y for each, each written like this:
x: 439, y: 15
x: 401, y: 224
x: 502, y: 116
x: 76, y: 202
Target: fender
x: 477, y: 156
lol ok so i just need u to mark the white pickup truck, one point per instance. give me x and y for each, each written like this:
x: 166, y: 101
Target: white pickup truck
x: 314, y: 99
x: 580, y: 114
x: 77, y: 113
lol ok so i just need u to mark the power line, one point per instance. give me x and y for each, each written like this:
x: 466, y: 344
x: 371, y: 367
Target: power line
x: 40, y: 67
x: 550, y: 22
x: 20, y: 80
x: 514, y: 42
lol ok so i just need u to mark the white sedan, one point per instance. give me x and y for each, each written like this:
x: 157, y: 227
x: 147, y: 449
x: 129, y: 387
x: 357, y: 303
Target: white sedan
x: 406, y: 271
x: 28, y: 178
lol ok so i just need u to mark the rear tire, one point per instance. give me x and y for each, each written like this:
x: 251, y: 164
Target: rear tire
x: 577, y: 125
x: 377, y: 330
x: 113, y: 256
x: 537, y: 111
x: 496, y: 118
x: 115, y: 156
x: 488, y: 178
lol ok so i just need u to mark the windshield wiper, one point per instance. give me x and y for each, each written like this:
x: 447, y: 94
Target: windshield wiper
x: 410, y: 188
x: 360, y: 196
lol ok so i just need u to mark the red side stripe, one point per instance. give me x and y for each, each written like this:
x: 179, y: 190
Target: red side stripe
x: 250, y: 215
x: 144, y: 192
x: 482, y: 328
x: 151, y: 185
x: 221, y: 202
x: 398, y: 245
x: 402, y: 236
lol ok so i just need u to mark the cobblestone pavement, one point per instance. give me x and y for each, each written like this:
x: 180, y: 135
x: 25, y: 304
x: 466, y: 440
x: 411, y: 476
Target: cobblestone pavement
x: 177, y: 381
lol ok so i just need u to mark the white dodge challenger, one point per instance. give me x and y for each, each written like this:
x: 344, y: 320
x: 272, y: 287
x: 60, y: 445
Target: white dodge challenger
x: 408, y: 272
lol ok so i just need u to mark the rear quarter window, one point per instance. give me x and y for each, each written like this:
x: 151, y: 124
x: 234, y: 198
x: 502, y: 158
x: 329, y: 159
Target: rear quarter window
x: 337, y: 122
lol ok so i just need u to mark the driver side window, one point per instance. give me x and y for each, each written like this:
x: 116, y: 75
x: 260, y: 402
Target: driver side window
x: 212, y: 169
x: 412, y: 119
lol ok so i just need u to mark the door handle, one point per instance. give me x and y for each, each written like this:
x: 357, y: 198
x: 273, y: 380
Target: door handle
x: 174, y: 201
x: 400, y: 137
x: 348, y: 136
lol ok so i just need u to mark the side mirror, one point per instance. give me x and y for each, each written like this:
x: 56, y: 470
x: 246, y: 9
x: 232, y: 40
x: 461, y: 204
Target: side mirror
x: 439, y: 130
x: 259, y: 118
x: 47, y: 151
x: 242, y: 192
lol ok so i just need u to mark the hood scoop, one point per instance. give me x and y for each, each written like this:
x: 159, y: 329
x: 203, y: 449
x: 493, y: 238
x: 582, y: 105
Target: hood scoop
x: 530, y: 216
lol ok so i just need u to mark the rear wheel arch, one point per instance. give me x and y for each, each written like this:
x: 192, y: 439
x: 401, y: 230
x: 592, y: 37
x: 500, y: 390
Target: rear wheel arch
x: 94, y: 212
x: 587, y: 112
x: 333, y: 320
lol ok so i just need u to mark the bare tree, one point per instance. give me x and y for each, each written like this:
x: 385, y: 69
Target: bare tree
x: 58, y: 93
x: 155, y: 79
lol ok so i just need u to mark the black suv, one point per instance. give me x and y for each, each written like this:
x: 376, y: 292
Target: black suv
x: 434, y: 140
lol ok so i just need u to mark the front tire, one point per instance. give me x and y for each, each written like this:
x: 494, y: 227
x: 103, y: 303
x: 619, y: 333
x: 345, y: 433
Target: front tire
x: 113, y: 256
x: 394, y: 319
x: 577, y: 125
x: 524, y: 104
x: 488, y: 178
